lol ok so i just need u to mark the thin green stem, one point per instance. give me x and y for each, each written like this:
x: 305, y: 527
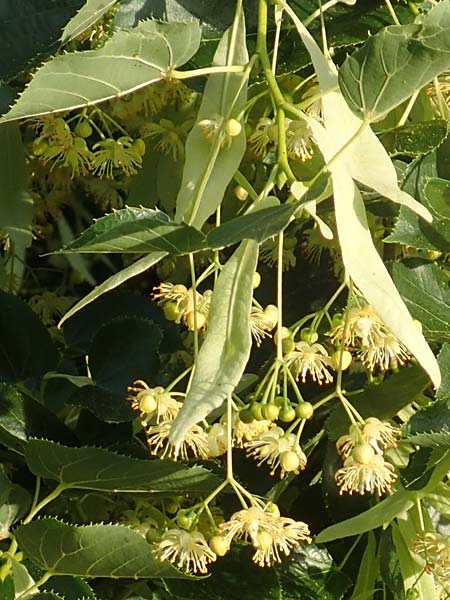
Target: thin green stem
x: 61, y: 487
x: 408, y: 109
x: 319, y: 11
x: 279, y: 334
x: 35, y: 587
x: 392, y: 12
x: 174, y: 74
x: 194, y: 302
x: 173, y: 383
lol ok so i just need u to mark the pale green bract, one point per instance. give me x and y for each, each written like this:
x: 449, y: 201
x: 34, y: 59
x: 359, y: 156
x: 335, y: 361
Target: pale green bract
x: 361, y: 259
x: 227, y: 344
x: 88, y: 14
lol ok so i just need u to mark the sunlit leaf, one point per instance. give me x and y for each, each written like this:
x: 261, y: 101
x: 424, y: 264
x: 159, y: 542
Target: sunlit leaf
x: 90, y: 551
x: 129, y: 61
x: 415, y: 139
x: 88, y: 15
x: 137, y: 230
x: 211, y: 163
x: 226, y: 347
x: 97, y: 469
x: 368, y: 571
x: 394, y: 63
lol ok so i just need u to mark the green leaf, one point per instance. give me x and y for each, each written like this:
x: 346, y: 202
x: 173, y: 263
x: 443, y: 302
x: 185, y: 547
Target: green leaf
x: 91, y: 12
x: 129, y: 61
x: 122, y: 351
x: 443, y: 393
x: 210, y: 165
x: 415, y: 139
x: 431, y: 440
x: 383, y: 401
x: 90, y: 551
x: 77, y: 263
x: 26, y: 348
x: 368, y: 571
x: 136, y: 268
x: 137, y: 230
x: 257, y: 225
x: 227, y: 344
x: 425, y: 289
x: 394, y: 63
x: 22, y: 417
x: 377, y: 516
x: 13, y: 508
x: 16, y: 205
x: 69, y: 588
x: 7, y: 591
x: 411, y: 231
x: 101, y: 470
x: 30, y: 29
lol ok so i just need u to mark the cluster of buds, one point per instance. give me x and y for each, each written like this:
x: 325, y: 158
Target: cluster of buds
x: 178, y: 305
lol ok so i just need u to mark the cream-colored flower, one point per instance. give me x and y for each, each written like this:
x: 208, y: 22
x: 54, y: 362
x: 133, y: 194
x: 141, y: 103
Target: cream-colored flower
x: 165, y: 407
x: 365, y: 471
x: 195, y: 442
x: 260, y: 324
x: 379, y: 434
x: 434, y: 548
x: 269, y: 533
x: 244, y: 432
x: 387, y: 352
x: 363, y: 325
x: 272, y: 447
x: 264, y: 134
x: 188, y: 551
x: 299, y: 140
x: 310, y: 359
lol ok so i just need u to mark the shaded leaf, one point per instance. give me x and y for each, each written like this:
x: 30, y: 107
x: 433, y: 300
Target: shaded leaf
x: 137, y: 230
x: 26, y: 348
x: 226, y: 347
x: 434, y: 419
x: 69, y: 588
x: 7, y: 591
x: 13, y: 508
x: 29, y: 29
x: 394, y: 63
x: 368, y: 571
x: 430, y: 440
x: 22, y: 417
x: 122, y: 351
x: 425, y: 289
x: 98, y: 469
x: 90, y: 551
x: 136, y: 268
x: 210, y: 164
x: 129, y: 61
x: 91, y: 12
x: 375, y: 517
x: 414, y: 139
x: 443, y: 393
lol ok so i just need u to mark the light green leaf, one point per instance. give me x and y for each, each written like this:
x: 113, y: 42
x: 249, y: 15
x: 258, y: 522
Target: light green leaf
x: 368, y: 571
x: 129, y: 61
x: 90, y: 13
x: 90, y: 551
x: 115, y: 280
x: 227, y: 344
x: 377, y: 516
x: 415, y: 139
x: 394, y: 63
x: 425, y: 289
x: 210, y: 164
x: 98, y: 469
x: 137, y: 230
x: 14, y: 506
x: 22, y: 579
x: 443, y: 393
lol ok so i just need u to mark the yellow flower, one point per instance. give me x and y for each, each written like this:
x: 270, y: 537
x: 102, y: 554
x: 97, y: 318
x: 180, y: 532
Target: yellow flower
x: 379, y: 434
x: 113, y: 154
x: 188, y: 551
x: 169, y: 139
x: 435, y: 550
x: 166, y: 407
x: 387, y: 352
x: 217, y: 440
x: 244, y: 432
x: 299, y: 140
x: 365, y: 471
x: 269, y: 533
x: 275, y: 447
x: 264, y: 134
x: 195, y: 441
x: 310, y: 359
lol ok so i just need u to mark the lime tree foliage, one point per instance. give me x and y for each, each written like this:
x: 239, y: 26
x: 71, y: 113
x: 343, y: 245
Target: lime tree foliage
x: 224, y: 300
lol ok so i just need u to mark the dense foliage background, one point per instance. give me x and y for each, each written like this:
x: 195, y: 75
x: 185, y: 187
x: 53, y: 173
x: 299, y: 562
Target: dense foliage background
x: 224, y: 299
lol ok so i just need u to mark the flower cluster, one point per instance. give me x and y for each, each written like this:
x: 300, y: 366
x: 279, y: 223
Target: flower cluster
x: 365, y: 332
x: 178, y: 305
x: 262, y: 322
x: 310, y: 359
x: 434, y: 548
x: 365, y: 469
x: 279, y: 449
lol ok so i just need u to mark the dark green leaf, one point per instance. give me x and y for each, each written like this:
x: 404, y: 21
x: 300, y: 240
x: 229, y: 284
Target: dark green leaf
x: 227, y: 344
x: 22, y: 417
x: 389, y: 567
x: 382, y: 401
x: 122, y: 351
x: 415, y: 232
x: 375, y: 517
x: 26, y: 348
x: 98, y: 469
x: 69, y: 588
x: 396, y: 62
x: 29, y: 29
x: 435, y: 418
x: 137, y: 230
x: 211, y: 163
x: 7, y: 591
x: 90, y: 551
x: 430, y: 440
x: 414, y: 139
x: 88, y: 15
x: 129, y: 61
x: 368, y: 571
x: 443, y: 393
x: 13, y: 508
x: 425, y: 290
